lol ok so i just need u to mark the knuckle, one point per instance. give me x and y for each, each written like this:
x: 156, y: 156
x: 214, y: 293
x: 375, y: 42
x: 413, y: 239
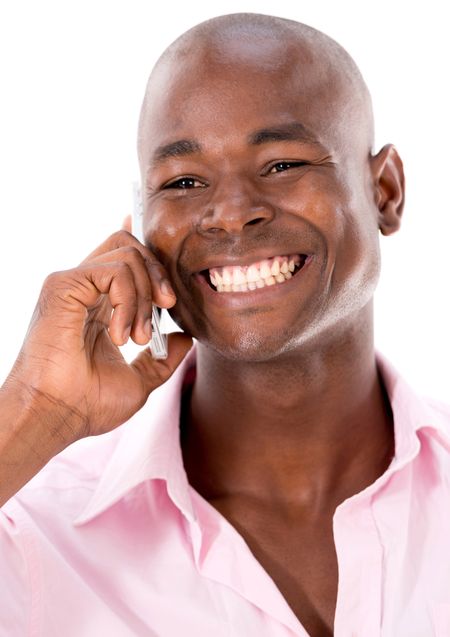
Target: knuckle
x: 120, y: 236
x: 146, y: 299
x: 123, y: 268
x: 152, y: 261
x: 133, y: 252
x: 54, y: 285
x: 132, y: 304
x: 130, y: 311
x: 130, y: 249
x: 51, y: 280
x: 154, y: 267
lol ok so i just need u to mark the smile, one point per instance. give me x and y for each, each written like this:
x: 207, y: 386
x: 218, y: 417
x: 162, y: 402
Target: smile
x: 267, y: 272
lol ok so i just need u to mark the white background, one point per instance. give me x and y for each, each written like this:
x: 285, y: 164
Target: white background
x: 72, y: 80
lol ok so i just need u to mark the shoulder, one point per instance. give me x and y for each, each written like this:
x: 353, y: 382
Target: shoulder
x: 38, y: 519
x: 438, y: 413
x: 66, y: 483
x: 441, y: 408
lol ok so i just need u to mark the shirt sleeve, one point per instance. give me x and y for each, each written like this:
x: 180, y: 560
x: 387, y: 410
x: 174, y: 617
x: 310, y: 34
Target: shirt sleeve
x: 15, y: 594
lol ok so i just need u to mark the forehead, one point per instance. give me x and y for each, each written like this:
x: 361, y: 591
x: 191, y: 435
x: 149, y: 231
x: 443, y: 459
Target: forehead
x: 227, y: 93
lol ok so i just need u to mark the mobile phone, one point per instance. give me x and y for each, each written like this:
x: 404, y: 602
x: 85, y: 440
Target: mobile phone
x: 158, y: 343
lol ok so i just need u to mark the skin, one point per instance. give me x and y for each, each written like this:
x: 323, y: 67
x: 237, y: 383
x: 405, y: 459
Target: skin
x: 287, y: 416
x: 70, y: 379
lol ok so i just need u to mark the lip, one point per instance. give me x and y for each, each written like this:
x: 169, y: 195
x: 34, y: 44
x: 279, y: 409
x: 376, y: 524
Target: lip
x: 252, y: 297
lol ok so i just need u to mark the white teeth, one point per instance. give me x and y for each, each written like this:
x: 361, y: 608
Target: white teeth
x: 264, y: 270
x: 253, y: 285
x: 257, y: 275
x: 238, y: 276
x: 252, y: 274
x: 239, y: 287
x: 227, y: 277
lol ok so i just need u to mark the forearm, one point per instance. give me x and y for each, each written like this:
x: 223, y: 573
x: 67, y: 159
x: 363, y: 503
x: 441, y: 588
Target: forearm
x: 33, y: 429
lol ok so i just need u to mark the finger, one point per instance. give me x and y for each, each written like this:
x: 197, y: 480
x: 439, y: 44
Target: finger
x: 126, y: 224
x: 163, y: 294
x: 122, y: 295
x: 154, y: 373
x: 141, y: 327
x: 118, y: 239
x: 84, y: 286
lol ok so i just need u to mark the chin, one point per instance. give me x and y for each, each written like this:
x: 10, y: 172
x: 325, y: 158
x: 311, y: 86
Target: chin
x: 249, y: 347
x: 244, y: 341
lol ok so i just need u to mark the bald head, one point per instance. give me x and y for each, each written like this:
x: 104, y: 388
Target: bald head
x: 318, y: 64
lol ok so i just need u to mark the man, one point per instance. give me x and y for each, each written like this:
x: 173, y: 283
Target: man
x: 285, y: 480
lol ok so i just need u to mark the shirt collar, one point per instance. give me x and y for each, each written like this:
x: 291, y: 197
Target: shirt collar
x: 412, y: 413
x: 149, y: 447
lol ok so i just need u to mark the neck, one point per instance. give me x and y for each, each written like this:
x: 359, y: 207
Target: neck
x: 314, y: 427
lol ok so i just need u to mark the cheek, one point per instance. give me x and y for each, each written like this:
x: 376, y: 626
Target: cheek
x: 339, y: 212
x: 165, y: 231
x: 318, y: 201
x: 357, y: 253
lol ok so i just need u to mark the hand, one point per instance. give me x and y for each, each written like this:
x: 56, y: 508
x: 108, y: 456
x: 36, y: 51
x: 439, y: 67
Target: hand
x: 70, y: 358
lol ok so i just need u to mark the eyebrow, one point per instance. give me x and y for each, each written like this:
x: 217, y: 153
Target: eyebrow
x: 292, y: 131
x: 176, y: 149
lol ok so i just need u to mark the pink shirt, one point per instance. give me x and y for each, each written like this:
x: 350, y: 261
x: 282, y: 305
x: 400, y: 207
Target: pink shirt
x: 109, y: 539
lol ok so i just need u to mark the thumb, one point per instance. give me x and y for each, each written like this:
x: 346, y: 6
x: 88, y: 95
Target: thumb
x: 155, y: 372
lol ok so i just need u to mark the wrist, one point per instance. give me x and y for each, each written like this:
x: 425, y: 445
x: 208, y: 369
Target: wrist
x: 33, y: 429
x: 35, y: 415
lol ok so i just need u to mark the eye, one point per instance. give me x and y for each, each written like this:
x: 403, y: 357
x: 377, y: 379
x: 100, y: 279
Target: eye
x: 185, y: 183
x: 281, y: 166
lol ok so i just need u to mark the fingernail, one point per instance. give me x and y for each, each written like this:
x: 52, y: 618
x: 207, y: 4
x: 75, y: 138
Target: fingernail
x: 166, y: 288
x: 126, y: 334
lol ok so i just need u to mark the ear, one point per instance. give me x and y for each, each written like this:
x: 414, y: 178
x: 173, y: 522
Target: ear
x: 389, y: 188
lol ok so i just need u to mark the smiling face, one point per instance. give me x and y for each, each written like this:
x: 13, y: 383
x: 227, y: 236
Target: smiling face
x: 259, y: 196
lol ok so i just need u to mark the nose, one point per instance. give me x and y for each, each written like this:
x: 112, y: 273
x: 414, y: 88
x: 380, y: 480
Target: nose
x: 232, y: 208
